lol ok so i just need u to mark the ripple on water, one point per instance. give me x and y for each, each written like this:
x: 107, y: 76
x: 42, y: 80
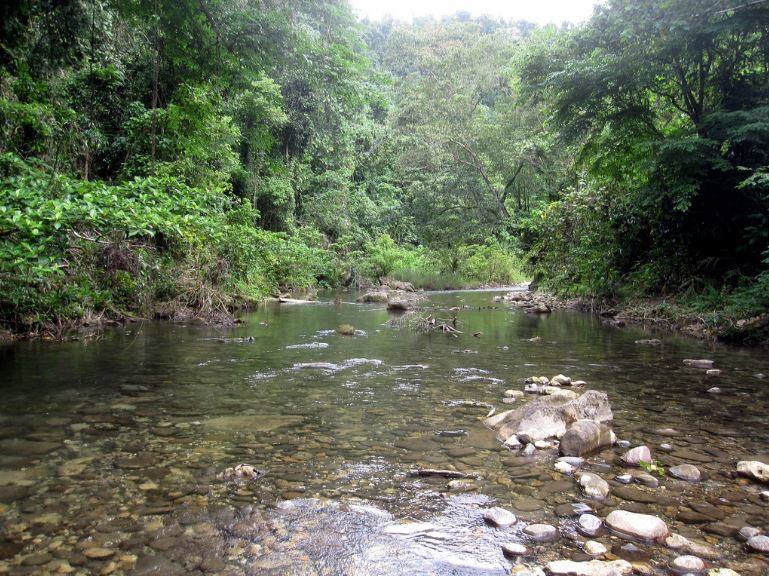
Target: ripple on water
x: 142, y: 432
x: 307, y: 346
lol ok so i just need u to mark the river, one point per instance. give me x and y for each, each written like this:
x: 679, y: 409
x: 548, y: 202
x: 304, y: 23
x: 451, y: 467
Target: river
x: 113, y: 449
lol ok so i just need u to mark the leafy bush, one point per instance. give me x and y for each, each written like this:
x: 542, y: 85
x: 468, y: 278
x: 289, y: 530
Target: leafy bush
x: 69, y: 246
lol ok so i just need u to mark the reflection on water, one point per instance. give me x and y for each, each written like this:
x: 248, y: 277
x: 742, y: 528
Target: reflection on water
x: 111, y: 451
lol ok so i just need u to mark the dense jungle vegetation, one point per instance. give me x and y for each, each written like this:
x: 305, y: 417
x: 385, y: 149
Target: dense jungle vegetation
x: 203, y: 154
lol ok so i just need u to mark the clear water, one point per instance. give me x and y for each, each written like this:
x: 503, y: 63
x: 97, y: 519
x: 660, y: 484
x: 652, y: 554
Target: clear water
x: 119, y: 442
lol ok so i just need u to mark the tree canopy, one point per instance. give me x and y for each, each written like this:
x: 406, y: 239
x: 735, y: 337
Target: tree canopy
x: 206, y: 153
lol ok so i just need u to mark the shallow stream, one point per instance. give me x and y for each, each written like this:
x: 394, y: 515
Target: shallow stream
x: 112, y: 449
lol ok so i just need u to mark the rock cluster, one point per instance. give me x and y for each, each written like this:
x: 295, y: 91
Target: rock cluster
x: 531, y: 302
x: 550, y: 416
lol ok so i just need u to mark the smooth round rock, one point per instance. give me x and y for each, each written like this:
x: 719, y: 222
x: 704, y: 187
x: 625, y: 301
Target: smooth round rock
x: 759, y: 544
x: 499, y: 517
x: 687, y: 472
x: 584, y: 437
x: 98, y: 553
x: 631, y: 524
x: 594, y: 486
x: 699, y: 363
x: 541, y: 532
x: 747, y: 532
x: 753, y: 469
x: 687, y: 565
x: 575, y: 461
x: 564, y: 467
x: 635, y: 456
x: 594, y: 548
x: 589, y: 525
x: 514, y: 549
x: 512, y: 442
x: 592, y: 568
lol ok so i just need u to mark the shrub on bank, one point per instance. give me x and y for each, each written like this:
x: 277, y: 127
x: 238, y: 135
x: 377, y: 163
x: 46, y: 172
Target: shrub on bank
x: 70, y: 247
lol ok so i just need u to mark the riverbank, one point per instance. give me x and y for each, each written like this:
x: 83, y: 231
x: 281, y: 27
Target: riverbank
x: 657, y: 314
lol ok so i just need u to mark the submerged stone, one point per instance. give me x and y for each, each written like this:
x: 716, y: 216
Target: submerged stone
x: 754, y: 469
x: 643, y: 526
x: 591, y: 568
x: 250, y: 422
x: 499, y: 517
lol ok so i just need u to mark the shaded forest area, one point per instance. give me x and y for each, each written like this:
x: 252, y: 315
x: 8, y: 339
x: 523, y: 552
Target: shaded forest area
x: 203, y: 154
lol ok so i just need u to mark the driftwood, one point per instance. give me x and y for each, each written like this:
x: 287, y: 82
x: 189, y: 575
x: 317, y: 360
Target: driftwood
x: 282, y: 300
x: 426, y: 323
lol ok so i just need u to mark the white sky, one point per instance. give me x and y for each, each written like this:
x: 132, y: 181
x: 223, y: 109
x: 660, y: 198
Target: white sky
x: 539, y: 11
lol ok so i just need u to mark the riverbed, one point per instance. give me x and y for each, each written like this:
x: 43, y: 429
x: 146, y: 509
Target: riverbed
x: 114, y: 449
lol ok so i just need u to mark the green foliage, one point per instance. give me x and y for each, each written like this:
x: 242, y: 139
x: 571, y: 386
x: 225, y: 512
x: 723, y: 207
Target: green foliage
x: 205, y: 154
x: 68, y: 246
x: 667, y: 104
x: 656, y: 468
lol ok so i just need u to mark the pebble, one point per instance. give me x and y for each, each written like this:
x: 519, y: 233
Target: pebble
x: 526, y: 570
x: 594, y: 548
x: 564, y: 467
x: 594, y: 486
x: 98, y: 553
x: 575, y: 461
x: 637, y: 455
x: 759, y: 543
x: 687, y: 565
x: 687, y: 472
x: 765, y: 495
x: 707, y: 364
x: 541, y: 532
x: 623, y: 443
x: 665, y: 447
x: 460, y: 485
x: 589, y: 525
x: 714, y: 390
x: 642, y: 526
x: 678, y: 542
x: 499, y: 517
x: 514, y: 549
x: 560, y: 380
x: 512, y: 442
x: 571, y: 509
x: 747, y: 532
x: 713, y: 372
x: 591, y: 568
x: 36, y: 559
x: 529, y: 450
x: 753, y: 469
x: 624, y: 478
x: 513, y: 393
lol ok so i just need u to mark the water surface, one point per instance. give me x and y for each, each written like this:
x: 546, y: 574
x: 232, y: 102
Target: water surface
x: 119, y: 442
